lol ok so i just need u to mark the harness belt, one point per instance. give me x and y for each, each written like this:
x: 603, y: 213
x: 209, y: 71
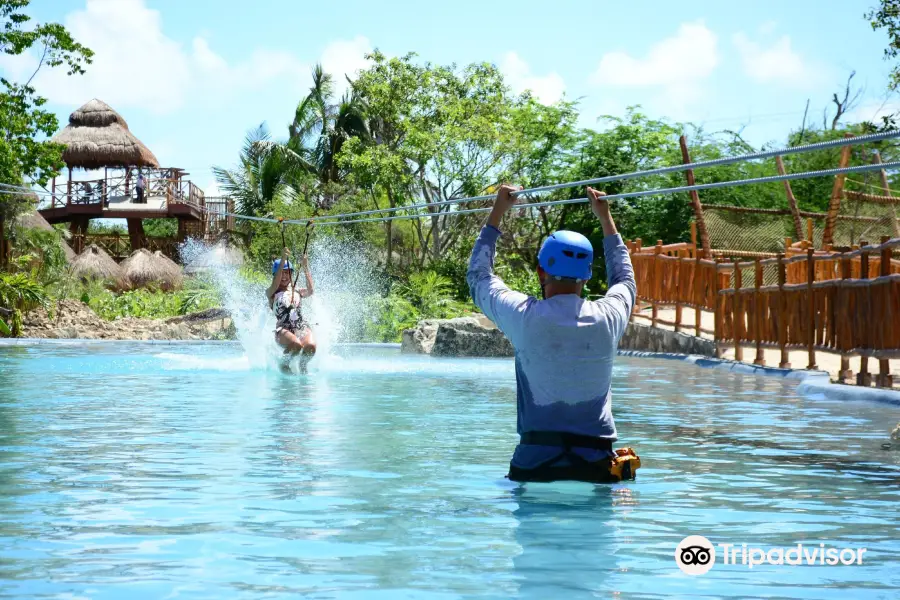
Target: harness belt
x: 620, y: 466
x: 564, y: 440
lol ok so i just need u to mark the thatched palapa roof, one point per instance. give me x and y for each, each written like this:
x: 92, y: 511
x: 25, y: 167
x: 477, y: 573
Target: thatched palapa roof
x: 34, y: 220
x: 94, y: 263
x: 144, y: 269
x: 97, y: 136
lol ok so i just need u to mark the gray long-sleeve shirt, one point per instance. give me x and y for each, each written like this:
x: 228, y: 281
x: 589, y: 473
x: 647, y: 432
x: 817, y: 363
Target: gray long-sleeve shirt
x: 565, y: 347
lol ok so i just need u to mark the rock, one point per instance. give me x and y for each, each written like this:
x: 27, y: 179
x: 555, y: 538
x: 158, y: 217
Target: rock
x: 420, y: 339
x: 71, y: 319
x: 465, y: 336
x: 895, y: 435
x: 211, y: 314
x: 454, y: 340
x: 652, y: 339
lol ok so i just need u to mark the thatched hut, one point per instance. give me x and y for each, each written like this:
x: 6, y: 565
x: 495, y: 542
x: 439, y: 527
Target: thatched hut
x: 95, y: 263
x: 97, y: 136
x: 145, y: 269
x: 34, y: 220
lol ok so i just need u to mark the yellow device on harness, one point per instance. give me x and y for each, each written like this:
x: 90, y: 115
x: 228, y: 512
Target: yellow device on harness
x: 625, y: 464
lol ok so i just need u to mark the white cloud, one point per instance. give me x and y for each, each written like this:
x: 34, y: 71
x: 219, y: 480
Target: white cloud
x: 136, y: 65
x: 775, y: 62
x: 675, y: 68
x: 345, y: 58
x: 547, y: 89
x: 690, y: 55
x: 872, y: 110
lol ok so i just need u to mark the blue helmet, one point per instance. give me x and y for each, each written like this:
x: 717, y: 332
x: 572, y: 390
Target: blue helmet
x: 287, y: 267
x: 568, y: 255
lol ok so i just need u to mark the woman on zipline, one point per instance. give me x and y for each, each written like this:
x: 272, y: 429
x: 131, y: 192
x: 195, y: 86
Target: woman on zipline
x: 291, y: 331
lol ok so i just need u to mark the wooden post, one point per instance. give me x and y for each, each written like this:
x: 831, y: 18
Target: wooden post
x: 845, y: 373
x: 834, y: 205
x: 782, y: 314
x: 677, y: 284
x: 887, y: 192
x: 792, y: 202
x: 698, y: 293
x: 718, y: 310
x: 656, y: 281
x: 69, y: 188
x: 884, y: 379
x: 760, y: 313
x: 864, y: 378
x: 810, y: 232
x: 737, y: 318
x: 695, y: 199
x: 53, y: 193
x: 136, y: 234
x: 811, y: 322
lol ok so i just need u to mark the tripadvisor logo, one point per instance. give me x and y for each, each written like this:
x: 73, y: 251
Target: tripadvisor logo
x: 696, y: 555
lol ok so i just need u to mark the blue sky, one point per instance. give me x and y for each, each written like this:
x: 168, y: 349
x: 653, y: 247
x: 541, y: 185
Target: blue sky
x: 192, y: 76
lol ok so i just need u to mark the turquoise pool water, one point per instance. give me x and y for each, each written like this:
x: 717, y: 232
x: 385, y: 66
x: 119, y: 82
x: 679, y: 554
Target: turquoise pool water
x: 150, y: 471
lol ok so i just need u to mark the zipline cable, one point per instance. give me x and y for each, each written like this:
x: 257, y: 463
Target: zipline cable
x: 639, y: 194
x: 873, y: 137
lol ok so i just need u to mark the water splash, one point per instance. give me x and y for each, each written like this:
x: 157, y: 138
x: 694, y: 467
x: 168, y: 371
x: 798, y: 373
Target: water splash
x: 344, y: 277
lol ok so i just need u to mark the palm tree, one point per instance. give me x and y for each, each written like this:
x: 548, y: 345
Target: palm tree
x: 269, y: 169
x: 320, y: 128
x: 260, y: 177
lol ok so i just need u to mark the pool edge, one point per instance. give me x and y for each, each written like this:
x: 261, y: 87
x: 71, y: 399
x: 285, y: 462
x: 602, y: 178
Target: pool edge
x: 86, y: 341
x: 809, y: 382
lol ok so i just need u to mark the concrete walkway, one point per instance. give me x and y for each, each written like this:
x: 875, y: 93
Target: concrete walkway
x: 799, y: 359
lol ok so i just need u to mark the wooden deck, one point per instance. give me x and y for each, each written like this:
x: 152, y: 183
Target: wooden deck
x: 65, y: 213
x: 155, y: 208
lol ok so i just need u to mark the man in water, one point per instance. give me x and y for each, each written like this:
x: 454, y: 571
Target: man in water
x: 291, y: 332
x: 565, y: 346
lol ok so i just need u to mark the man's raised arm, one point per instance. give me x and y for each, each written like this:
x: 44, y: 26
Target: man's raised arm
x: 622, y: 289
x: 500, y: 304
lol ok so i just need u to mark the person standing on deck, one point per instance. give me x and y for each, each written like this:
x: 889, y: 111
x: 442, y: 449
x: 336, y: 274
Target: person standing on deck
x: 565, y: 346
x: 140, y: 187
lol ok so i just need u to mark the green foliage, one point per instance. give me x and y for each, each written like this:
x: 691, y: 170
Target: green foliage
x: 19, y: 292
x: 147, y: 304
x: 99, y: 227
x: 161, y: 227
x: 390, y: 315
x: 430, y: 294
x: 38, y: 251
x: 25, y: 153
x: 887, y: 16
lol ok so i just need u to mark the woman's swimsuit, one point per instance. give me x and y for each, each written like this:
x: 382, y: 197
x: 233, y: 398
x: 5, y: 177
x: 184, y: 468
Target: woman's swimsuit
x: 287, y: 312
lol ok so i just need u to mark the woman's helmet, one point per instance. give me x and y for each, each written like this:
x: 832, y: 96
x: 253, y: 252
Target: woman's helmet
x: 567, y: 255
x: 287, y: 267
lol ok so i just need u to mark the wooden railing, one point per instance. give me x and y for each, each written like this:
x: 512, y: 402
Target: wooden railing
x: 846, y: 303
x: 168, y: 183
x: 118, y: 245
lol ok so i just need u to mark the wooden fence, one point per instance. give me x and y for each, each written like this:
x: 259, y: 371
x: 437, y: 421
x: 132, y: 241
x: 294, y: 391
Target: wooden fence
x: 846, y: 303
x: 118, y: 245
